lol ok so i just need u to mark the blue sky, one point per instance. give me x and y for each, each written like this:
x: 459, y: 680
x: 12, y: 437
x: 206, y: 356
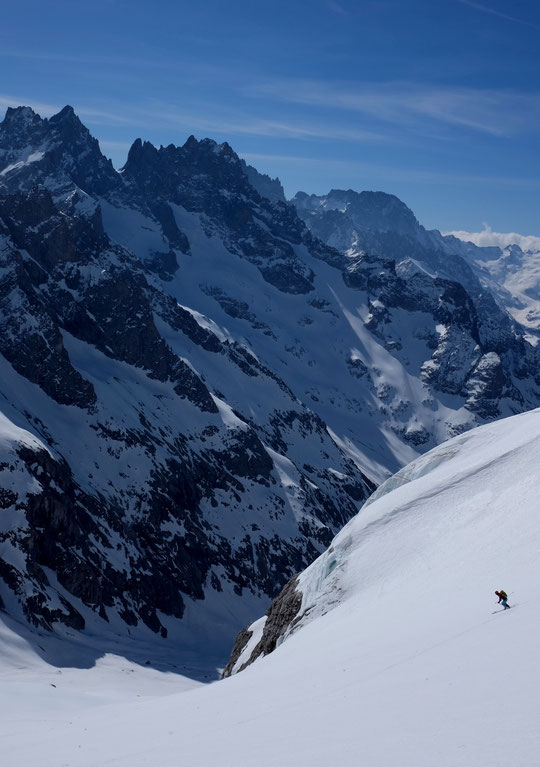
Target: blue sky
x: 437, y: 101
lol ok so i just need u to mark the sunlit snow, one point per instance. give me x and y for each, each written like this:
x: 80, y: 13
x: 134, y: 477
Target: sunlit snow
x: 401, y: 657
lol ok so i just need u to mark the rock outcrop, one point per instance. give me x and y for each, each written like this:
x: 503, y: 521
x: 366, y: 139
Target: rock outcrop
x: 280, y: 619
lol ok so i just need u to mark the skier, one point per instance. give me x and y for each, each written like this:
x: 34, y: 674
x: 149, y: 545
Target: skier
x: 503, y: 597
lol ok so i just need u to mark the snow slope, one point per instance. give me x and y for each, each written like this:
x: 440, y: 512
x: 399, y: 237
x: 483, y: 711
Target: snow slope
x: 398, y: 658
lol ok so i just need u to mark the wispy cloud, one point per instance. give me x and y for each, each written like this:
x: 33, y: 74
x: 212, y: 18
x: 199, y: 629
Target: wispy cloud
x: 487, y: 237
x: 43, y: 109
x: 65, y: 58
x: 491, y: 111
x: 150, y: 59
x: 243, y: 124
x: 494, y: 12
x: 386, y: 173
x: 205, y: 119
x: 395, y: 106
x: 95, y: 115
x: 337, y: 8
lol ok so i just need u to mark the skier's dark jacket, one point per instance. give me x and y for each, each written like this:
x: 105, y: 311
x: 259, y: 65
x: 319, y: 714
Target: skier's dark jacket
x: 502, y: 595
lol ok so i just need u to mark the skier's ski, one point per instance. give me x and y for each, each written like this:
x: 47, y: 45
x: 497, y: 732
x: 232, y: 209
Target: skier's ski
x: 503, y: 609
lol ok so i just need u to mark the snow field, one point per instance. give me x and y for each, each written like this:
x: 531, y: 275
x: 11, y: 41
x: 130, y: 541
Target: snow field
x: 399, y: 660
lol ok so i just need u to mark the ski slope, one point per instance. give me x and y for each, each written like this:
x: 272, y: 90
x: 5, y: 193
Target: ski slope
x: 397, y: 660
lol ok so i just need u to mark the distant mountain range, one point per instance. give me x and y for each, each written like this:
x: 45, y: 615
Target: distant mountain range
x: 380, y: 223
x: 201, y: 382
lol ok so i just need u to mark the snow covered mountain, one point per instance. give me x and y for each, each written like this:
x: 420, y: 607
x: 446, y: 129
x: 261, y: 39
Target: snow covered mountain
x: 404, y: 268
x: 163, y: 464
x: 197, y: 392
x: 513, y: 276
x: 380, y: 223
x: 393, y: 655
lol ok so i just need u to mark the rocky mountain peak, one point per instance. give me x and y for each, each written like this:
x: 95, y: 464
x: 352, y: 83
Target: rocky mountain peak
x: 513, y: 250
x: 21, y: 126
x: 217, y: 167
x: 195, y: 174
x: 365, y: 210
x: 205, y: 153
x: 20, y: 117
x: 266, y: 186
x: 60, y: 149
x: 67, y: 125
x: 78, y: 153
x: 191, y: 143
x: 141, y: 155
x: 211, y: 158
x: 67, y: 114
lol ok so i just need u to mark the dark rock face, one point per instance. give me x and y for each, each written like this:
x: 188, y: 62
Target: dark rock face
x: 68, y: 532
x: 112, y: 311
x: 107, y: 561
x: 242, y: 638
x: 375, y: 211
x: 279, y: 619
x: 30, y: 339
x: 235, y: 308
x: 267, y: 187
x: 192, y: 177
